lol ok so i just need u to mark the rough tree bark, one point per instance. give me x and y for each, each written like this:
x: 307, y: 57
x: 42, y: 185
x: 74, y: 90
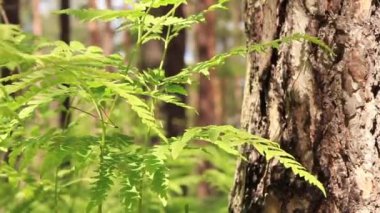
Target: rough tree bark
x: 323, y: 110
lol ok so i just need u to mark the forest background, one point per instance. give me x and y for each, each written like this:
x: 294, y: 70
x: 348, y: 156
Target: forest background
x: 203, y: 181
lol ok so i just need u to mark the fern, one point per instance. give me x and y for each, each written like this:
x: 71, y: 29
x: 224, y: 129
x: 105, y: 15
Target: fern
x: 228, y: 139
x: 103, y: 15
x: 103, y: 182
x: 158, y: 172
x: 185, y: 77
x: 132, y: 175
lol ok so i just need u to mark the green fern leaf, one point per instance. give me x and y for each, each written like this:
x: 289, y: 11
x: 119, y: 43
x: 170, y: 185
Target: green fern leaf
x: 103, y: 182
x: 228, y: 138
x: 102, y: 15
x: 156, y: 168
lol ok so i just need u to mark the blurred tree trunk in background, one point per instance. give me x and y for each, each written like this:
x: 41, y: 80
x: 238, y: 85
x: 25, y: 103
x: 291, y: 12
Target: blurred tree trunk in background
x: 108, y: 33
x: 151, y: 51
x: 93, y: 26
x: 127, y: 39
x: 209, y: 94
x: 151, y: 55
x: 11, y: 9
x: 37, y: 22
x: 209, y: 100
x: 173, y: 64
x: 65, y: 32
x: 323, y: 110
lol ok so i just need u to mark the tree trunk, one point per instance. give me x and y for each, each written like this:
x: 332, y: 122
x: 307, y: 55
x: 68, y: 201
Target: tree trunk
x: 65, y: 32
x: 37, y: 22
x: 322, y: 110
x: 11, y: 9
x: 209, y: 94
x: 173, y: 64
x: 93, y: 26
x: 108, y: 43
x: 150, y: 57
x: 210, y: 97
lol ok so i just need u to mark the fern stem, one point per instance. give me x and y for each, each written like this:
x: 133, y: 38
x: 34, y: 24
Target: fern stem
x: 100, y: 208
x: 114, y: 101
x: 102, y: 142
x: 94, y: 116
x: 170, y: 13
x: 167, y: 41
x: 56, y: 190
x: 139, y: 37
x: 140, y: 210
x: 167, y: 38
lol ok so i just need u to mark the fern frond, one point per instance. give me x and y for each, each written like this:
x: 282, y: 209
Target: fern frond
x: 104, y: 182
x: 160, y: 3
x: 288, y: 161
x: 228, y: 139
x: 156, y: 168
x: 102, y: 15
x: 141, y: 108
x: 203, y: 67
x: 131, y: 179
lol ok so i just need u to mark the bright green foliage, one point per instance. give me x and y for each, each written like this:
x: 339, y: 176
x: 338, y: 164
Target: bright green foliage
x: 229, y: 139
x: 116, y: 160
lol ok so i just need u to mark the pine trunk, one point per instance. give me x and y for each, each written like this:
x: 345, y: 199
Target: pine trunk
x: 210, y: 97
x: 37, y: 21
x: 108, y: 43
x: 93, y: 26
x: 209, y: 94
x: 324, y: 111
x: 65, y: 33
x: 173, y: 64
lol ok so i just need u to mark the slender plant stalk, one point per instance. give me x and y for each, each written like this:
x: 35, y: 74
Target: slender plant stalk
x: 166, y: 44
x: 102, y: 142
x: 56, y: 190
x: 3, y: 14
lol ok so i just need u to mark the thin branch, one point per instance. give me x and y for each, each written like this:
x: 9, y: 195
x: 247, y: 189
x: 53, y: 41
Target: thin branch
x: 94, y: 116
x: 3, y: 14
x: 108, y: 118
